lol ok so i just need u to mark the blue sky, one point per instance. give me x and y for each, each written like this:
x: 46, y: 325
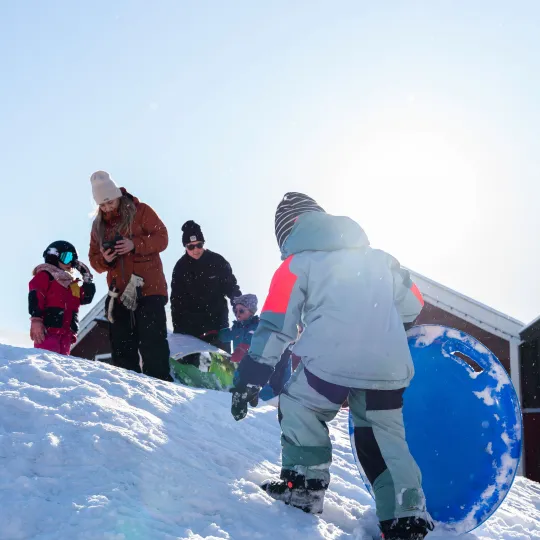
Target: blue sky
x: 418, y: 119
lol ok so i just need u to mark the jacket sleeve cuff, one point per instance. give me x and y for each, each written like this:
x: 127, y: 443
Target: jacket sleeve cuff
x: 252, y: 372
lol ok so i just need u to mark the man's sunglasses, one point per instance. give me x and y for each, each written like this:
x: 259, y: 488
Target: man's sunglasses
x: 240, y: 311
x: 67, y: 257
x: 191, y: 247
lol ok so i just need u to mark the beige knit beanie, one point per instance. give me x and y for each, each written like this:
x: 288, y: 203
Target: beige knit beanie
x: 103, y: 187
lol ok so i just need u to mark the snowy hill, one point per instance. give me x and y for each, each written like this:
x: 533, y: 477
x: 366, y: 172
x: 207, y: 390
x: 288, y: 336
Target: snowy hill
x: 88, y: 451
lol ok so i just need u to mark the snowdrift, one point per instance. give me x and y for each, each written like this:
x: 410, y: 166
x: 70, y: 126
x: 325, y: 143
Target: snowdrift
x: 88, y: 451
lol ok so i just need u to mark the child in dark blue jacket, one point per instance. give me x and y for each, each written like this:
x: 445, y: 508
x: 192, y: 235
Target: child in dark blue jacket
x: 241, y: 332
x: 243, y: 328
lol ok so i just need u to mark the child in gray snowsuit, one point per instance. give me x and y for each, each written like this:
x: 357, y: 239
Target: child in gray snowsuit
x: 355, y: 302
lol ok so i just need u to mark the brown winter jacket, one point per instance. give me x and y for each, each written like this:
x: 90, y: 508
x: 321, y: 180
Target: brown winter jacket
x: 150, y: 237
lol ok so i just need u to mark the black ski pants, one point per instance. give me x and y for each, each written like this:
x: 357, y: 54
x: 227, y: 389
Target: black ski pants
x: 144, y: 330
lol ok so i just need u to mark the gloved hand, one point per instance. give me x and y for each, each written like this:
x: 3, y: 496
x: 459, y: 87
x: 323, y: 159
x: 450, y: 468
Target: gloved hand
x: 247, y: 381
x: 37, y: 330
x: 239, y: 353
x: 84, y: 271
x: 130, y: 295
x: 241, y: 396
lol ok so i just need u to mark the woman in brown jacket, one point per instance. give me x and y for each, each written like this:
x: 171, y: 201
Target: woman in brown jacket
x: 126, y: 240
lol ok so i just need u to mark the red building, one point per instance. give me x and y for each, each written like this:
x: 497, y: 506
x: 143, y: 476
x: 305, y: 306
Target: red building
x: 516, y: 346
x: 93, y: 338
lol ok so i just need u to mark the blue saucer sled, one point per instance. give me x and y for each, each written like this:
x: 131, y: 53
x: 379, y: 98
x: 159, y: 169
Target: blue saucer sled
x: 463, y: 424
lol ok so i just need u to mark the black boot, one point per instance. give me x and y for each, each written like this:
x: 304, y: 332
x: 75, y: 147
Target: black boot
x: 294, y: 489
x: 408, y: 528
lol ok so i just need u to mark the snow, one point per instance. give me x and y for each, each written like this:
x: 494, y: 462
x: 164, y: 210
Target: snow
x: 88, y: 451
x: 426, y: 334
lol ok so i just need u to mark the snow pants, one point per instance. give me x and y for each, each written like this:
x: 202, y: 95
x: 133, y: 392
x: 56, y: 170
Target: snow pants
x: 58, y: 343
x: 308, y: 403
x: 144, y: 330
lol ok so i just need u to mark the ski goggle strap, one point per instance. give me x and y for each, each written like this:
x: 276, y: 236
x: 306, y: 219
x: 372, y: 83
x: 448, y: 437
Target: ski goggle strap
x: 67, y: 257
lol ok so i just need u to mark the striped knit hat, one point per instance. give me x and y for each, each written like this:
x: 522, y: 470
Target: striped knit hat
x: 247, y: 300
x: 291, y: 206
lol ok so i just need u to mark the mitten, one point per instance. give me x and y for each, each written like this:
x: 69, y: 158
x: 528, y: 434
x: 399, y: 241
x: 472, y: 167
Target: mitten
x: 241, y: 396
x: 239, y: 352
x: 84, y: 271
x: 130, y: 295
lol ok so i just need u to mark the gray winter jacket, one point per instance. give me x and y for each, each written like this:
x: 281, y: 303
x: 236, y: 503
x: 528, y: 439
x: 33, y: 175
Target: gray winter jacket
x: 352, y: 299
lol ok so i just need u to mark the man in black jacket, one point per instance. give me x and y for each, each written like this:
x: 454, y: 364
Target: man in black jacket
x: 200, y: 282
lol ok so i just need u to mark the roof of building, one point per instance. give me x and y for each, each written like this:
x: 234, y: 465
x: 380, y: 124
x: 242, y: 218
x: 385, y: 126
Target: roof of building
x: 468, y: 309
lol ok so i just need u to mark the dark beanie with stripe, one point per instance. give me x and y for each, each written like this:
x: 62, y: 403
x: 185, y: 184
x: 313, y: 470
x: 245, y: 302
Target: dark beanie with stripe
x: 292, y: 205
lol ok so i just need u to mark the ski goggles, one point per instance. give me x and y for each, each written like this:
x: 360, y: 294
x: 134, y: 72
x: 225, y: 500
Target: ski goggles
x: 67, y: 257
x: 191, y: 247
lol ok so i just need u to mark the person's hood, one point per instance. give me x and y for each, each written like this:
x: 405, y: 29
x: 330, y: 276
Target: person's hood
x: 128, y: 194
x: 318, y: 231
x: 64, y: 278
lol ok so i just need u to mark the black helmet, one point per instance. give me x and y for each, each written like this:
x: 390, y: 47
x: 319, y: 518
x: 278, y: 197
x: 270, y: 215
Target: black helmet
x: 60, y: 251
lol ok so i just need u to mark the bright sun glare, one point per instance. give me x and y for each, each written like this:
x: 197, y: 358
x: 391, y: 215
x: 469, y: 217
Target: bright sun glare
x: 405, y: 179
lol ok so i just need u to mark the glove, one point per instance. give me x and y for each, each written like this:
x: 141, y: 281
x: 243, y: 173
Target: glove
x: 130, y: 295
x: 84, y: 271
x: 37, y: 330
x: 241, y: 396
x: 248, y: 379
x: 239, y: 352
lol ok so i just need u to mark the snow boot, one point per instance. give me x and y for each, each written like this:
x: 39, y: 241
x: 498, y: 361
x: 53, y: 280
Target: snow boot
x: 407, y: 528
x: 295, y: 490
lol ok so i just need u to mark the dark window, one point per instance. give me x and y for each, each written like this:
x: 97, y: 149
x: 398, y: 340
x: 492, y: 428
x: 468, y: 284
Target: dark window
x: 530, y: 373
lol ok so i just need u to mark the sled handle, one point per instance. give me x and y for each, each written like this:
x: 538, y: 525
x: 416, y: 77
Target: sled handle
x: 465, y: 353
x: 463, y: 348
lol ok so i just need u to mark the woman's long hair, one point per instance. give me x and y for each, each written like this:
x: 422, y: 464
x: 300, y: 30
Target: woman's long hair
x: 126, y: 210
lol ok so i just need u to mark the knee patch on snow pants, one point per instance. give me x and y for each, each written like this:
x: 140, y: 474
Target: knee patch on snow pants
x: 303, y: 414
